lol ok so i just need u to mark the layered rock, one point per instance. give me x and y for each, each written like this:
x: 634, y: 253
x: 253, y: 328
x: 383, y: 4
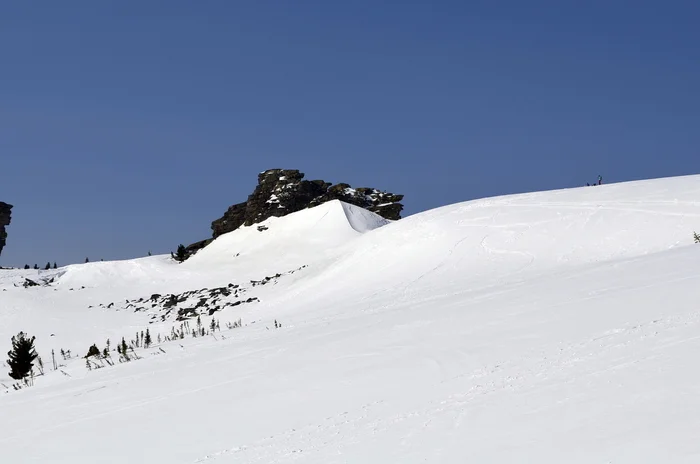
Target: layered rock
x: 281, y: 192
x: 5, y: 216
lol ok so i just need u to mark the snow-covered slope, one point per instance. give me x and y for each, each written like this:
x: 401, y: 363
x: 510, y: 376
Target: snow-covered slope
x: 548, y: 327
x: 310, y: 235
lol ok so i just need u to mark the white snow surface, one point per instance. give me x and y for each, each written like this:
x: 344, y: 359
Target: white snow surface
x: 550, y: 327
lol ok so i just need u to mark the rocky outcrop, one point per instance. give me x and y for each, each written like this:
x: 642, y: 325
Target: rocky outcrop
x: 281, y: 192
x: 192, y: 303
x: 5, y: 216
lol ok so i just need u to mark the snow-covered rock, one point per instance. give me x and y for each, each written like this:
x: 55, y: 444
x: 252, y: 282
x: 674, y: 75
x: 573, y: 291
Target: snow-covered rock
x: 280, y: 192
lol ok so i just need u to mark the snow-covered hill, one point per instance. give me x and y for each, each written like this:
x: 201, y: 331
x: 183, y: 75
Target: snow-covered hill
x: 547, y: 327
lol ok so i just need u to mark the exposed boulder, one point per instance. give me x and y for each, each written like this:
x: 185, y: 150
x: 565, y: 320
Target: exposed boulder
x: 280, y: 192
x: 5, y: 216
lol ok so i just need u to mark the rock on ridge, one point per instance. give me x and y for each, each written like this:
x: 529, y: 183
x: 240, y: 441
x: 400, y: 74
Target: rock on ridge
x: 5, y: 216
x: 280, y: 192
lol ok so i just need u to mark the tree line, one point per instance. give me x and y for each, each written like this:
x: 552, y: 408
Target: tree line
x: 47, y: 267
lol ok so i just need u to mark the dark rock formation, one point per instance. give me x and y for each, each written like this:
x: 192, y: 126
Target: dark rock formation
x: 194, y: 247
x: 281, y: 192
x: 5, y: 211
x: 193, y: 303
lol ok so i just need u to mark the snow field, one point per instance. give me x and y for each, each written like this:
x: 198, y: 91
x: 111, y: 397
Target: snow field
x: 548, y: 327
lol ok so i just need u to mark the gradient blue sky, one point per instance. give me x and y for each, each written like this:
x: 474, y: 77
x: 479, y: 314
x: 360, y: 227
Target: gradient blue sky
x: 129, y: 126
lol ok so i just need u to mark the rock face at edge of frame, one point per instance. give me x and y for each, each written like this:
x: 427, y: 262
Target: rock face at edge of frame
x: 5, y: 217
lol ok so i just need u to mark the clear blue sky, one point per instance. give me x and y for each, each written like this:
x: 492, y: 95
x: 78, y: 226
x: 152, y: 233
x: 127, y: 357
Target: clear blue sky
x: 130, y: 126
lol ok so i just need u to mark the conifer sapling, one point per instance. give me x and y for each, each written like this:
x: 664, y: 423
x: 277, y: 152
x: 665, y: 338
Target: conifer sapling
x: 22, y: 356
x: 147, y: 340
x: 181, y: 253
x: 93, y: 351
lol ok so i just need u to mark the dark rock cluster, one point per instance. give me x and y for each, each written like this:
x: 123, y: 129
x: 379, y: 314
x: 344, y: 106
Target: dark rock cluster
x: 44, y: 282
x: 187, y: 304
x: 5, y: 216
x: 192, y: 303
x: 281, y: 192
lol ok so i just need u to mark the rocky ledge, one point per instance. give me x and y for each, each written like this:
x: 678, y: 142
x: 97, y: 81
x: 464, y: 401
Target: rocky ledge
x: 280, y: 192
x: 5, y: 216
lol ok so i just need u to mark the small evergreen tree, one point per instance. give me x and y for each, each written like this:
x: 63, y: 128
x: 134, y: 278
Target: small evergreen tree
x: 55, y: 266
x: 48, y: 266
x: 212, y: 326
x: 26, y: 266
x: 36, y: 266
x: 21, y: 356
x: 147, y: 340
x: 93, y: 351
x: 696, y: 237
x: 105, y: 353
x: 124, y: 347
x: 87, y: 260
x: 181, y: 254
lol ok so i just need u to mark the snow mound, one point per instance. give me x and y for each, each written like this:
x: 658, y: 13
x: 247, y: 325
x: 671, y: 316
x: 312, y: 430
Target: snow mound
x: 287, y: 242
x: 105, y: 274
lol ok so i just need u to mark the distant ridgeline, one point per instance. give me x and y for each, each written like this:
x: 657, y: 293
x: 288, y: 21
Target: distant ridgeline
x: 281, y: 192
x: 5, y: 212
